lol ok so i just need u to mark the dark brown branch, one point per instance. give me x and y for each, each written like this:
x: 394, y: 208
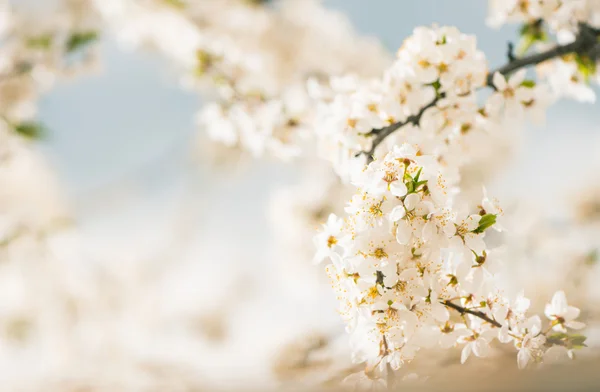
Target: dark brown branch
x: 472, y: 312
x: 585, y: 43
x: 382, y: 133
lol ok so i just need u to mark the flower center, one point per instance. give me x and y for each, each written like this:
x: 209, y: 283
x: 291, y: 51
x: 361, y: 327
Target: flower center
x: 380, y: 253
x: 331, y: 241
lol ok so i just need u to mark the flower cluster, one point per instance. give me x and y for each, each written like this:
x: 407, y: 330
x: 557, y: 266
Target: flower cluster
x: 410, y: 259
x: 428, y: 98
x: 36, y: 51
x: 569, y: 75
x: 242, y: 51
x: 412, y: 270
x: 558, y: 14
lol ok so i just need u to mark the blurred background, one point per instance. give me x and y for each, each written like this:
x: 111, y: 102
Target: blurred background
x: 120, y: 140
x: 126, y: 149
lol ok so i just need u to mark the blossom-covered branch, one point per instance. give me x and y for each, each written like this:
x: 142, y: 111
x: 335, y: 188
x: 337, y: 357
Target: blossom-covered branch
x: 477, y: 313
x: 405, y: 252
x: 585, y: 44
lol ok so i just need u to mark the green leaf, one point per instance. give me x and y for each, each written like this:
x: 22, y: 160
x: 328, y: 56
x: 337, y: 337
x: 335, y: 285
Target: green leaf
x: 586, y: 66
x: 485, y: 222
x: 573, y: 341
x: 205, y: 61
x: 418, y: 175
x: 577, y: 341
x: 528, y: 83
x: 558, y: 336
x: 80, y: 39
x: 419, y: 183
x: 40, y: 42
x: 531, y: 33
x: 437, y: 86
x: 30, y: 130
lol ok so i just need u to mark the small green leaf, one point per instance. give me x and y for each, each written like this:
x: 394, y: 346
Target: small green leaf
x: 437, y: 86
x: 531, y: 33
x: 485, y: 222
x: 80, y: 39
x: 528, y: 83
x: 40, y: 42
x: 577, y: 341
x: 557, y: 336
x: 586, y: 66
x: 418, y: 175
x: 574, y: 341
x: 30, y: 130
x: 205, y: 61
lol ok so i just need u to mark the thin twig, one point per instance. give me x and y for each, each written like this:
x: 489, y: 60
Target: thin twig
x: 510, y: 52
x: 585, y: 43
x: 382, y: 133
x: 476, y: 313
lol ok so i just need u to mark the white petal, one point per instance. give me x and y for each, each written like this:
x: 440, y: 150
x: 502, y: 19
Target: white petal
x: 439, y: 312
x: 403, y: 232
x: 481, y: 347
x: 559, y: 303
x: 410, y: 321
x: 522, y: 303
x: 523, y: 358
x: 549, y: 311
x: 572, y: 313
x: 409, y: 274
x: 397, y: 213
x: 472, y: 222
x: 499, y: 81
x: 534, y: 324
x: 575, y: 325
x: 423, y: 208
x: 462, y: 270
x: 337, y: 261
x: 398, y: 188
x: 517, y: 78
x: 504, y: 335
x: 466, y: 352
x: 333, y: 223
x: 449, y: 229
x: 447, y: 340
x: 429, y: 231
x: 475, y: 242
x: 411, y: 201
